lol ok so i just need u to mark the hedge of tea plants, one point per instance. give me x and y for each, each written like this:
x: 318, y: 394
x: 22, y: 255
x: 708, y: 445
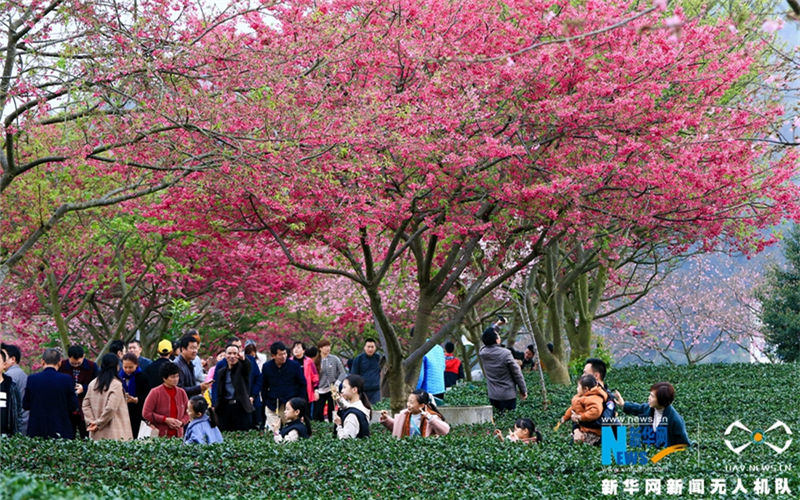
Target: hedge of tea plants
x: 468, y: 463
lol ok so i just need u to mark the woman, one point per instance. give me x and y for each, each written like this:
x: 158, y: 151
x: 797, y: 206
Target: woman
x: 136, y: 387
x: 352, y: 420
x: 331, y: 371
x: 421, y: 418
x: 658, y: 412
x: 104, y: 407
x: 309, y: 369
x: 230, y: 393
x: 165, y: 406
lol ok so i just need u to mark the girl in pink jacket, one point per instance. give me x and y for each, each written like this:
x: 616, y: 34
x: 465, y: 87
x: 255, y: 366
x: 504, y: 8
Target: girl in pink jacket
x: 421, y: 418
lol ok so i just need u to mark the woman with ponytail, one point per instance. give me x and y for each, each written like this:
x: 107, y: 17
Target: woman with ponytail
x: 352, y: 420
x: 297, y: 424
x: 203, y: 427
x: 421, y: 418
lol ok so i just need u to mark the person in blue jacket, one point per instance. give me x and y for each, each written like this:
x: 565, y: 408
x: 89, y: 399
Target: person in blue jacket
x: 50, y: 397
x: 668, y: 427
x: 368, y: 365
x: 203, y: 427
x: 431, y: 372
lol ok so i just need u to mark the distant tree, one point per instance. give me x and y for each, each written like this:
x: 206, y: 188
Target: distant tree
x: 706, y: 308
x: 780, y: 302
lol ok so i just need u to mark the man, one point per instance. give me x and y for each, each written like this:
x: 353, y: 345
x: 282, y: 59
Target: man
x: 368, y: 365
x: 234, y: 342
x: 135, y: 348
x: 453, y: 368
x: 188, y: 346
x: 503, y: 374
x: 231, y: 396
x: 165, y: 406
x: 117, y: 347
x: 50, y: 397
x: 153, y: 371
x: 597, y: 368
x: 20, y: 378
x: 281, y: 380
x: 528, y: 362
x: 431, y: 372
x: 10, y: 401
x: 82, y: 372
x: 197, y: 363
x: 257, y: 417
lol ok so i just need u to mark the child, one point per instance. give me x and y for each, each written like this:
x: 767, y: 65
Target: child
x: 587, y: 406
x: 420, y: 418
x: 352, y: 419
x: 203, y: 427
x: 297, y: 424
x: 524, y: 432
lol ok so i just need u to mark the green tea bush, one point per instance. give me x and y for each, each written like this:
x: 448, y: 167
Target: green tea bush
x: 468, y: 463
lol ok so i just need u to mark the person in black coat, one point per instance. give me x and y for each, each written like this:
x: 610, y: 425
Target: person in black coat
x: 281, y: 380
x: 136, y: 386
x: 10, y: 402
x: 231, y: 394
x: 50, y: 397
x: 82, y: 372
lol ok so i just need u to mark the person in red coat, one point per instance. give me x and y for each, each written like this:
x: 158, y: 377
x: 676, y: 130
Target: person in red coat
x: 453, y: 368
x: 165, y: 407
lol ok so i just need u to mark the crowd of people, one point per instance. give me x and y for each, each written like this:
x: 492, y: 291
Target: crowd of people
x: 180, y: 395
x: 126, y: 395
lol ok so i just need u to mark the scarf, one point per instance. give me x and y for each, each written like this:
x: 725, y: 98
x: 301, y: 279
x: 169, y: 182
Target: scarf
x: 129, y: 381
x: 423, y: 424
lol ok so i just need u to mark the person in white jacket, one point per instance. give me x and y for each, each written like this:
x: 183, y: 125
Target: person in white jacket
x: 352, y: 420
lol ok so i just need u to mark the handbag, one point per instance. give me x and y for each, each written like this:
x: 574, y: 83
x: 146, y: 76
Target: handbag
x: 145, y: 431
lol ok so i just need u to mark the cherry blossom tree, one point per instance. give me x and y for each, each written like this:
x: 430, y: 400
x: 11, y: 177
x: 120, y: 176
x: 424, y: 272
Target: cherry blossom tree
x: 415, y: 132
x: 104, y: 98
x: 706, y: 308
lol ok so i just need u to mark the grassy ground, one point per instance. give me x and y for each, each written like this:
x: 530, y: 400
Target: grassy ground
x: 468, y: 463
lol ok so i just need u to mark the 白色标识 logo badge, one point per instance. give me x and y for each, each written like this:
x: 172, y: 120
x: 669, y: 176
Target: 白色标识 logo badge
x: 759, y: 437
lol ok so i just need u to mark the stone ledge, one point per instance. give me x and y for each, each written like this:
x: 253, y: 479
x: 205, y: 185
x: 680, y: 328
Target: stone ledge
x: 457, y: 415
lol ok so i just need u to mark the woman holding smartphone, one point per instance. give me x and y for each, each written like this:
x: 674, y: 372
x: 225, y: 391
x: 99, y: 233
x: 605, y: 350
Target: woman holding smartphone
x: 421, y: 418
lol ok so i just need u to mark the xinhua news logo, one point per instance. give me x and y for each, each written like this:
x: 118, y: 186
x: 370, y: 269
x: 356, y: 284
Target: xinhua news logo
x: 779, y: 433
x: 615, y: 442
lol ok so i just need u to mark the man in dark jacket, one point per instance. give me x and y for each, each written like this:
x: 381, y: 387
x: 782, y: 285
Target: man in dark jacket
x: 502, y: 372
x: 188, y: 346
x: 50, y: 397
x: 82, y: 372
x: 257, y: 417
x: 153, y: 371
x: 230, y: 394
x: 368, y: 365
x: 281, y: 380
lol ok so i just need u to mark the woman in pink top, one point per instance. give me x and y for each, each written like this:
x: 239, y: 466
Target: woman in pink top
x: 309, y: 369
